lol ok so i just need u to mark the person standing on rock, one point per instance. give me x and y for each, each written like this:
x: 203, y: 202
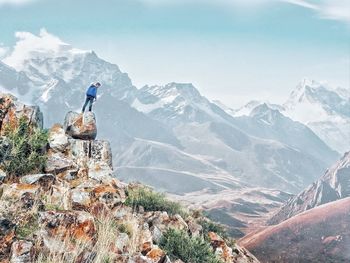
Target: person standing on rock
x: 91, y: 95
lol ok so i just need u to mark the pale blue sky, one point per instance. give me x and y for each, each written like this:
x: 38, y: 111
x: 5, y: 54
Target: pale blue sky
x: 232, y: 50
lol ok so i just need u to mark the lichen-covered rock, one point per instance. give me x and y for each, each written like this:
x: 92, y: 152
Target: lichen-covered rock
x: 100, y: 171
x: 16, y: 191
x: 61, y: 227
x: 2, y: 176
x: 230, y: 254
x: 22, y: 252
x: 94, y: 151
x: 156, y: 255
x: 11, y: 111
x: 122, y: 242
x: 58, y: 140
x: 163, y: 221
x: 44, y: 180
x: 80, y: 126
x: 58, y: 163
x: 195, y: 228
x: 7, y: 234
x: 139, y: 259
x: 156, y: 234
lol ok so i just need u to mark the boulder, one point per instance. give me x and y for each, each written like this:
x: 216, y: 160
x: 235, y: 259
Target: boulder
x: 122, y: 243
x: 163, y: 221
x: 100, y: 171
x: 80, y: 126
x: 44, y: 180
x: 11, y: 111
x: 156, y: 255
x: 230, y: 254
x: 58, y: 163
x: 58, y: 140
x: 22, y: 252
x: 16, y: 191
x: 94, y: 151
x: 195, y: 228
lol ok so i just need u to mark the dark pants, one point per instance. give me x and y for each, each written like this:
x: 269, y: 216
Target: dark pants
x: 89, y: 99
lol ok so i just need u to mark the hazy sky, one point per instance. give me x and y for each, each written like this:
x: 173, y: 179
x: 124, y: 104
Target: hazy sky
x: 231, y: 50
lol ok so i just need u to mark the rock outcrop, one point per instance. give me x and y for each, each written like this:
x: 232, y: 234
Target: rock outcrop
x: 81, y: 125
x: 12, y: 110
x: 334, y: 185
x: 77, y: 211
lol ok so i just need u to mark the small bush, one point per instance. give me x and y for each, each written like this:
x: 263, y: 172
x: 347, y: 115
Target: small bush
x: 152, y: 201
x: 29, y: 228
x: 209, y: 226
x: 25, y: 150
x: 179, y: 245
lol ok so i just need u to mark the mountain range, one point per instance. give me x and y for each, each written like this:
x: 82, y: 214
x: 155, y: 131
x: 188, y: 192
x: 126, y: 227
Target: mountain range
x: 180, y: 142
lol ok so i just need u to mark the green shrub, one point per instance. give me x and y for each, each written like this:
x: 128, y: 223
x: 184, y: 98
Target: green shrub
x: 179, y: 245
x: 25, y: 150
x: 210, y: 226
x: 152, y: 201
x: 28, y: 228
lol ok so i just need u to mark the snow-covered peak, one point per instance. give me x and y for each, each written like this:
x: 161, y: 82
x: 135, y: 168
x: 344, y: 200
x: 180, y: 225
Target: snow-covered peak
x: 174, y: 90
x: 227, y: 109
x: 39, y: 48
x: 266, y: 113
x: 306, y: 90
x: 315, y: 101
x: 177, y: 103
x: 247, y: 109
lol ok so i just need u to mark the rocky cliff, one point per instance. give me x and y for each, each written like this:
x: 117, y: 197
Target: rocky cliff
x: 76, y: 211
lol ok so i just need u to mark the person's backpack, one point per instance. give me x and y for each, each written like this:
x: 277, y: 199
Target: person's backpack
x: 92, y: 90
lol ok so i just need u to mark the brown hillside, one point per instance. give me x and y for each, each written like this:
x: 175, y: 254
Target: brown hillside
x: 321, y: 234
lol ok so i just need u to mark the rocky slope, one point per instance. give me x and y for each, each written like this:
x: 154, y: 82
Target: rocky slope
x: 332, y: 186
x: 76, y: 211
x: 321, y: 234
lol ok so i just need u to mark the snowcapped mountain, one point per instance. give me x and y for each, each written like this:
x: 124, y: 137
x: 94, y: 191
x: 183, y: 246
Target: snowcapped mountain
x: 168, y: 135
x: 206, y: 130
x: 177, y: 103
x: 325, y: 111
x: 266, y: 121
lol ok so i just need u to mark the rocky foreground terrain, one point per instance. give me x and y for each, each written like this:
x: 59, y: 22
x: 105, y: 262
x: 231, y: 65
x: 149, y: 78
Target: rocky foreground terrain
x: 77, y: 212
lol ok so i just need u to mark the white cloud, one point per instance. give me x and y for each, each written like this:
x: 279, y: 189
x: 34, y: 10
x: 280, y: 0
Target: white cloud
x: 326, y: 9
x: 29, y: 45
x: 302, y: 3
x: 15, y: 2
x: 3, y: 50
x: 336, y: 9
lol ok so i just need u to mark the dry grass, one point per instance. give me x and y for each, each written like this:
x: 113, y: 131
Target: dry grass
x: 107, y: 232
x: 99, y: 252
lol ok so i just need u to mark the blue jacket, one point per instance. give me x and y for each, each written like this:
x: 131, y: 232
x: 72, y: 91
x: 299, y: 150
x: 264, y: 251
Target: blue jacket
x: 92, y: 91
